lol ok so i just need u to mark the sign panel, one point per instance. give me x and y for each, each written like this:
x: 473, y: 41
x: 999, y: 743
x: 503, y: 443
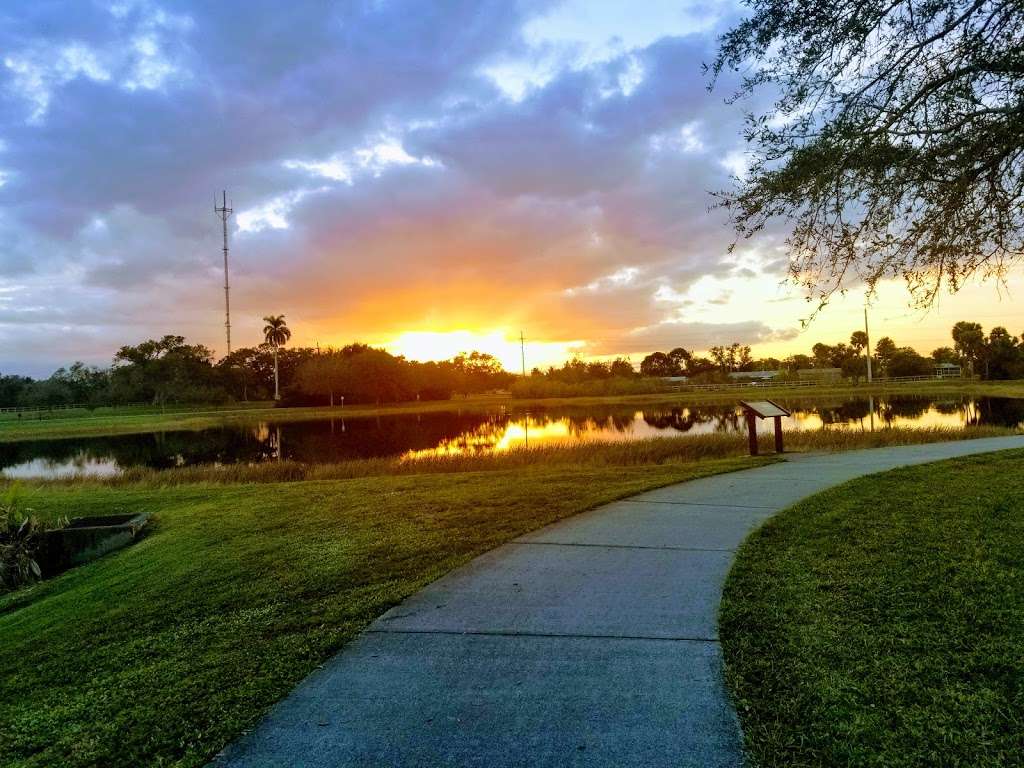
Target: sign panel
x: 764, y: 408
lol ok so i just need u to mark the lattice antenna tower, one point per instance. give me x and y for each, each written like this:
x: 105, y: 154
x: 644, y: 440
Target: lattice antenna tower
x: 224, y: 213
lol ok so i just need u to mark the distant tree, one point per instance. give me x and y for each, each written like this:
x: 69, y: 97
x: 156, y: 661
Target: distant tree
x: 240, y: 369
x: 437, y: 380
x: 893, y: 141
x: 798, y: 362
x: 853, y: 365
x: 622, y: 368
x: 85, y: 384
x: 480, y: 372
x: 904, y: 361
x: 945, y: 355
x: 362, y: 374
x: 720, y: 356
x: 375, y: 376
x: 767, y: 364
x: 276, y: 333
x: 1002, y: 355
x: 859, y: 344
x: 163, y: 370
x: 742, y: 360
x: 11, y: 389
x: 596, y: 370
x: 885, y: 349
x: 680, y: 359
x: 822, y: 355
x: 841, y: 354
x: 323, y: 375
x: 657, y: 364
x: 969, y: 342
x: 735, y: 357
x: 699, y: 366
x: 47, y: 393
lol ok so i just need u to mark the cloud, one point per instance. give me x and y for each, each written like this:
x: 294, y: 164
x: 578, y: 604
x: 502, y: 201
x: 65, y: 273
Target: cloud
x: 694, y: 336
x: 394, y: 167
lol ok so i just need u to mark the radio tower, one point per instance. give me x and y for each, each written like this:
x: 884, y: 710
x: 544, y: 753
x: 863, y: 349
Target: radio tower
x: 224, y: 213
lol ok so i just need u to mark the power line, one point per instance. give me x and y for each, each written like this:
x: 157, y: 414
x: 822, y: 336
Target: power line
x: 224, y: 213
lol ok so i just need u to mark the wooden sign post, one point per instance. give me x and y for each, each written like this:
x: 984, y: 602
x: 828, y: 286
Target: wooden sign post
x: 763, y: 409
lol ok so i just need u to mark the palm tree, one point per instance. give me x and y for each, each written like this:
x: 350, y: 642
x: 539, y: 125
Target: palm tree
x: 276, y: 333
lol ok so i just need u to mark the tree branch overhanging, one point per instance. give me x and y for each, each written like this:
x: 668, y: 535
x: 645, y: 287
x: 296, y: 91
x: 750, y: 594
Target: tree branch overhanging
x: 899, y: 148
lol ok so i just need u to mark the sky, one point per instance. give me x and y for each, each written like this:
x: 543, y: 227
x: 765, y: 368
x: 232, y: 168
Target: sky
x: 431, y: 177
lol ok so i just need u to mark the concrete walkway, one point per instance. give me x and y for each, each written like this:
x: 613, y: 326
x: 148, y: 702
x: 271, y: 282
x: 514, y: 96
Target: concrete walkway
x: 592, y: 642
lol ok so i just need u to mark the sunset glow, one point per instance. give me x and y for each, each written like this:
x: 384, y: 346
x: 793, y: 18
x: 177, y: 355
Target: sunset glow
x: 442, y: 210
x: 438, y: 345
x: 397, y: 382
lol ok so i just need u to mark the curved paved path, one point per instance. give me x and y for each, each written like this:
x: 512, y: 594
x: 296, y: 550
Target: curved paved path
x: 592, y: 642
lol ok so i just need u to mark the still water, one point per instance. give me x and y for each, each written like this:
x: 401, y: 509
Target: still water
x: 340, y: 439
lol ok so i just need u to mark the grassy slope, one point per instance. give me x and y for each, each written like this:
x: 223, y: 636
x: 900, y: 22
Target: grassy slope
x: 162, y: 653
x: 127, y: 421
x: 882, y: 623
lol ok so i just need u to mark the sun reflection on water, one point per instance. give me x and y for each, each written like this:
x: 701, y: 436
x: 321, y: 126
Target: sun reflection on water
x: 535, y: 431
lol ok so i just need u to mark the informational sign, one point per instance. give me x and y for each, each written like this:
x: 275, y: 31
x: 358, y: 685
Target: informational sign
x: 764, y: 408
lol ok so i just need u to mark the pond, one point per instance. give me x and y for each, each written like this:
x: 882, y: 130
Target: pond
x: 339, y: 439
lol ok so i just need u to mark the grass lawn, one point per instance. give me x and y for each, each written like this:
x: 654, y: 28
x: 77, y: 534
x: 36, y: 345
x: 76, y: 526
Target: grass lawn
x: 881, y: 623
x: 164, y: 652
x: 119, y: 421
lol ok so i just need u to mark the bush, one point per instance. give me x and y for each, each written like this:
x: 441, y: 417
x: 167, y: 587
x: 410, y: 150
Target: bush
x: 20, y: 534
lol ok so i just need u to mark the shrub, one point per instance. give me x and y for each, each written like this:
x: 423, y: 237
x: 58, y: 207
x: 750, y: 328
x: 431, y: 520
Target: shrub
x: 20, y: 534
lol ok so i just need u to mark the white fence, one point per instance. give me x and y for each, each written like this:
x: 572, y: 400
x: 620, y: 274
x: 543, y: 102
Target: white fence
x: 763, y: 384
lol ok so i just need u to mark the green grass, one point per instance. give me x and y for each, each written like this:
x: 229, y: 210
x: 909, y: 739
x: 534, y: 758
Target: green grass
x: 119, y: 421
x: 881, y: 623
x: 164, y: 652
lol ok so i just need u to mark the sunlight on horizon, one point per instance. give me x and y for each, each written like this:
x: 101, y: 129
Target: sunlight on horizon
x: 539, y: 431
x: 502, y: 344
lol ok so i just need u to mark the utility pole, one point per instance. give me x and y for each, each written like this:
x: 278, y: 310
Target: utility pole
x: 867, y: 339
x: 522, y: 352
x: 224, y: 213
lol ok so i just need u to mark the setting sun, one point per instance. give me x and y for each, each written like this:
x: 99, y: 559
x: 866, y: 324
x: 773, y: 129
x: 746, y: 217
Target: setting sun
x: 502, y: 344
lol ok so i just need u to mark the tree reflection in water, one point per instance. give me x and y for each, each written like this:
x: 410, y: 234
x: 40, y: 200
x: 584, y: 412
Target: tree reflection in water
x: 332, y: 440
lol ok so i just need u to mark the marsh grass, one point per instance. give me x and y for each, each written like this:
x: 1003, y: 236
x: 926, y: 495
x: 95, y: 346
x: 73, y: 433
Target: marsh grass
x: 589, y: 454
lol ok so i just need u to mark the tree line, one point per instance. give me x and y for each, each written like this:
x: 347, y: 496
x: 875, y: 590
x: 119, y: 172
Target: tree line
x: 170, y: 370
x: 996, y: 355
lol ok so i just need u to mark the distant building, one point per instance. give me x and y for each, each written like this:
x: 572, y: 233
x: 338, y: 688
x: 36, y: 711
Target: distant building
x: 947, y: 371
x: 674, y: 382
x: 753, y: 375
x: 820, y: 374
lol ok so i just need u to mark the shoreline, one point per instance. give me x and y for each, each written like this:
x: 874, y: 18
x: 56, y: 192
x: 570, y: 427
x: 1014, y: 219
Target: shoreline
x: 122, y: 422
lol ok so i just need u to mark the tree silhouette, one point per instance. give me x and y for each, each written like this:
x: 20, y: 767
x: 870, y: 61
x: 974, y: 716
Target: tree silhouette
x: 969, y: 342
x: 885, y: 349
x: 893, y: 146
x: 276, y: 333
x: 657, y: 364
